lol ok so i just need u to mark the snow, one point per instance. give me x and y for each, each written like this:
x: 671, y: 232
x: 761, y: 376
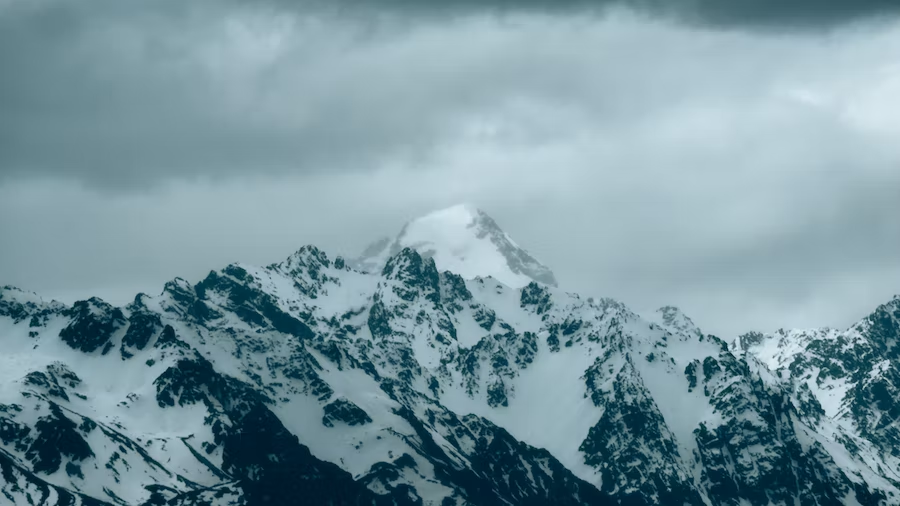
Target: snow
x: 830, y: 393
x: 777, y: 351
x: 357, y: 448
x: 682, y: 410
x: 21, y: 296
x: 548, y: 410
x: 505, y: 302
x: 548, y: 403
x: 853, y: 468
x: 462, y: 239
x: 120, y: 397
x: 468, y: 332
x: 450, y: 236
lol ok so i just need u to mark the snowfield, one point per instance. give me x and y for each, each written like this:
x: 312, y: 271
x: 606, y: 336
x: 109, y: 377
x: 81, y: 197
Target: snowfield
x: 443, y: 367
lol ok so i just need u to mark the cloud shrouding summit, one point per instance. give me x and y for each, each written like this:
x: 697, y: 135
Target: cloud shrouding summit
x: 128, y: 94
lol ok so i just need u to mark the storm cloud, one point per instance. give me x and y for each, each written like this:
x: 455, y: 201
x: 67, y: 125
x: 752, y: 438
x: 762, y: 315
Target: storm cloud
x: 130, y: 94
x: 738, y: 159
x: 745, y: 14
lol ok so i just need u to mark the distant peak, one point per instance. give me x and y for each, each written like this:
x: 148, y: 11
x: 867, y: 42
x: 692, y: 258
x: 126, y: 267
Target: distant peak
x: 674, y: 318
x: 306, y: 254
x: 464, y: 240
x: 13, y: 293
x: 749, y: 340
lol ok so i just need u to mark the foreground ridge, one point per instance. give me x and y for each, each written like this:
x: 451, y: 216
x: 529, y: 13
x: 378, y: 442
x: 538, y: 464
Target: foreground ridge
x: 311, y: 380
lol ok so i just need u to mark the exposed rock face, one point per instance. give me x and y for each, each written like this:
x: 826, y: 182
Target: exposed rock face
x: 56, y: 436
x: 845, y: 384
x: 344, y: 411
x: 143, y: 325
x: 410, y: 385
x: 92, y: 325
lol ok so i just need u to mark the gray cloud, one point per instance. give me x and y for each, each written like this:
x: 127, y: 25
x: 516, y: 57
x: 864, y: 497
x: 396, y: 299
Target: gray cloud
x: 118, y: 97
x: 749, y: 14
x: 130, y: 94
x: 779, y: 14
x: 747, y: 176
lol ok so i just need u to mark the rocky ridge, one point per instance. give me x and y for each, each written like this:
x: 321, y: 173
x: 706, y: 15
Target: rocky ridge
x: 311, y: 379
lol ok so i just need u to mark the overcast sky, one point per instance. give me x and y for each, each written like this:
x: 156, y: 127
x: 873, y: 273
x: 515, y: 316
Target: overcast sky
x: 737, y: 158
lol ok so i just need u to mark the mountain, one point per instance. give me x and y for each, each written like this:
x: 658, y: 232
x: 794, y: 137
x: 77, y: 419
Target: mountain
x: 464, y: 240
x: 309, y: 381
x: 846, y: 383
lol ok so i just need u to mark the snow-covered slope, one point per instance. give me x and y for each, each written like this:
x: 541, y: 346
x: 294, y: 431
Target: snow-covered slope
x: 845, y: 382
x: 310, y: 382
x: 464, y: 240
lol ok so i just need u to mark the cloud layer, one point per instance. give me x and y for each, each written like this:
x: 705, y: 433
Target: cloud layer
x: 725, y: 163
x: 130, y: 94
x: 746, y: 14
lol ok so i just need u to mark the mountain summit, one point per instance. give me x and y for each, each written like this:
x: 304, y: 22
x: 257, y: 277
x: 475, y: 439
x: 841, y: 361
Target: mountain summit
x: 310, y: 382
x: 465, y: 240
x: 307, y: 381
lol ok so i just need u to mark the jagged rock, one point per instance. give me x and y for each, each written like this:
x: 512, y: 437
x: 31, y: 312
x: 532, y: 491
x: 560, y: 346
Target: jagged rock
x: 142, y: 326
x: 434, y: 389
x: 47, y: 383
x: 56, y: 436
x: 537, y: 296
x: 342, y: 410
x: 93, y: 323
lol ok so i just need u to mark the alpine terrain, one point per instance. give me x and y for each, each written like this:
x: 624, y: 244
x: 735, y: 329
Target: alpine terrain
x: 443, y: 367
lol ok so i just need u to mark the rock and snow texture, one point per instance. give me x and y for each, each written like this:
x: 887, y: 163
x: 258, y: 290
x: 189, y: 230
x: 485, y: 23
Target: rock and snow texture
x: 464, y: 240
x: 845, y: 383
x: 311, y: 382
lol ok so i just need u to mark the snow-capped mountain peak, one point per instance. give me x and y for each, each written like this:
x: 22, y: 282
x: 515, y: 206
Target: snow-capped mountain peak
x: 673, y: 318
x: 465, y: 240
x: 413, y: 387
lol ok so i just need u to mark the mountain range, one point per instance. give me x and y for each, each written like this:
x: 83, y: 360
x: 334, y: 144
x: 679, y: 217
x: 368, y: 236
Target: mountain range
x: 442, y: 367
